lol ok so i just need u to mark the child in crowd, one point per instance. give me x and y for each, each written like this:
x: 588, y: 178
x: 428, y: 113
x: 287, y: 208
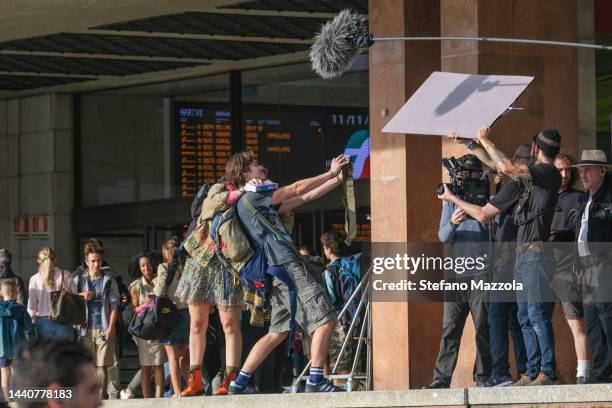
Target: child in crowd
x: 15, y: 324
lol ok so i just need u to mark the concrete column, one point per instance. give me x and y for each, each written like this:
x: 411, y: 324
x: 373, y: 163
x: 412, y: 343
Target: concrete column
x: 4, y: 180
x: 40, y: 175
x: 552, y: 101
x: 404, y: 172
x: 587, y: 111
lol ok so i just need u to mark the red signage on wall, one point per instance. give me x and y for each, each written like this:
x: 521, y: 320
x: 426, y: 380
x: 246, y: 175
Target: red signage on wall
x: 20, y: 227
x: 40, y: 226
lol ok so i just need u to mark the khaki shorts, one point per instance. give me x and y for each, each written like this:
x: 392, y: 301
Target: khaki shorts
x: 151, y: 353
x: 102, y: 351
x: 312, y: 304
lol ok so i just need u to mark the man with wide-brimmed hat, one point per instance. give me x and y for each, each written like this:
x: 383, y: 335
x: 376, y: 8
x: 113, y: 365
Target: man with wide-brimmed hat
x: 594, y: 250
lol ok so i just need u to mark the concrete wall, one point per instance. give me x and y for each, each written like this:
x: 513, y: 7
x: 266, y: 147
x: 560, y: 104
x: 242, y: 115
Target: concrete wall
x: 122, y: 148
x: 36, y: 175
x: 4, y: 180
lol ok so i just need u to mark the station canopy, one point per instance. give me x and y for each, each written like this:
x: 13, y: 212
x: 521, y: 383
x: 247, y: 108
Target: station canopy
x: 48, y: 46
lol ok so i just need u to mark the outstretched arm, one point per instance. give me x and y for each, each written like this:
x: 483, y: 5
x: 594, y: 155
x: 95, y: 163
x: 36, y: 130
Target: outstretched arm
x: 304, y: 186
x: 500, y: 162
x: 320, y: 191
x: 475, y: 148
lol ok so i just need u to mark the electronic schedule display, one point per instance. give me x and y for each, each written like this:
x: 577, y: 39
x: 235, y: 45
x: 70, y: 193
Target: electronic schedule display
x: 203, y: 143
x: 293, y: 142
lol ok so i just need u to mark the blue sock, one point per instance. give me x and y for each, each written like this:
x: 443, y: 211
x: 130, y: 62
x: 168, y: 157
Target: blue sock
x: 243, y: 379
x: 316, y: 375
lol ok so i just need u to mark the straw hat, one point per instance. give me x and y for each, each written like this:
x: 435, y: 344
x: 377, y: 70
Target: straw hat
x: 593, y: 158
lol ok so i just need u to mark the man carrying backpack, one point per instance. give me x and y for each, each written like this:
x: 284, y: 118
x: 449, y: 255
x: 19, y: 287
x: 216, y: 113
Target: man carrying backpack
x: 342, y: 276
x: 295, y: 294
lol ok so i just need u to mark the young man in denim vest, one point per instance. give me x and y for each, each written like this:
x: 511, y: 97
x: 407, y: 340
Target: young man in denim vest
x: 258, y: 213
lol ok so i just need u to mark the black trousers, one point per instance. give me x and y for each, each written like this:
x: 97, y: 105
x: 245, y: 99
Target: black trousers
x: 455, y: 315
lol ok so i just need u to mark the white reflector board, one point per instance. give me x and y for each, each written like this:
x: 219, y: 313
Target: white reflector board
x: 447, y: 102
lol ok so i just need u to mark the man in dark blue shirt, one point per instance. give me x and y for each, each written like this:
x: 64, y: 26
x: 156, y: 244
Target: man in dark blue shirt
x: 467, y: 237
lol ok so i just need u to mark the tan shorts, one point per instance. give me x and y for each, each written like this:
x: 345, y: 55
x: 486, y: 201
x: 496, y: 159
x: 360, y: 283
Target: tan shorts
x: 150, y: 352
x: 102, y: 351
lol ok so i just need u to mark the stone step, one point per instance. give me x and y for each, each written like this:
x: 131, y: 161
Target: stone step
x: 557, y: 396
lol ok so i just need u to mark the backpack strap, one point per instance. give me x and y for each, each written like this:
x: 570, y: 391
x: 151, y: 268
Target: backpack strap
x: 277, y: 271
x: 348, y: 199
x: 265, y: 221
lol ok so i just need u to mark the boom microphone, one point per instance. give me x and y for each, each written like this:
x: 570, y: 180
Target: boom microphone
x: 340, y: 39
x: 337, y: 44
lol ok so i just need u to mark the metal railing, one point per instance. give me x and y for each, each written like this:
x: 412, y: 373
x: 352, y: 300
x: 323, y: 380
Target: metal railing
x: 365, y: 337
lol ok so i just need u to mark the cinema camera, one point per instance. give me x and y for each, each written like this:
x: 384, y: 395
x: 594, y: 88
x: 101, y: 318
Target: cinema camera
x: 470, y: 187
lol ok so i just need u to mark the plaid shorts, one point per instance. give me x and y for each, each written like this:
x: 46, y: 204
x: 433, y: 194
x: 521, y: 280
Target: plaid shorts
x: 313, y: 308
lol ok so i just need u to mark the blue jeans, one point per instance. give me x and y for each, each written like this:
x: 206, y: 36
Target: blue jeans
x: 503, y: 319
x: 47, y: 328
x: 533, y: 269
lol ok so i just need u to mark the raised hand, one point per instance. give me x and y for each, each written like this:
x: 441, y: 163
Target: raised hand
x: 338, y: 163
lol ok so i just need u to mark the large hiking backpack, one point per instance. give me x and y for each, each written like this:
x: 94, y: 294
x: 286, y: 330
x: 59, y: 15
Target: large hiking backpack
x: 156, y: 320
x: 345, y: 275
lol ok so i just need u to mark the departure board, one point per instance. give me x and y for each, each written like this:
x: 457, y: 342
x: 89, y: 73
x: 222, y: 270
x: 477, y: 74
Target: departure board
x: 287, y: 140
x: 293, y: 142
x: 204, y: 144
x: 347, y: 131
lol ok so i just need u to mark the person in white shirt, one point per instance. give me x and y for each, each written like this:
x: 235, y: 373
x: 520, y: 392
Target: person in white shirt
x: 595, y: 258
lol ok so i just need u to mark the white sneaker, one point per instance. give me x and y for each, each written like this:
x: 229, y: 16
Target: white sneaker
x: 126, y: 394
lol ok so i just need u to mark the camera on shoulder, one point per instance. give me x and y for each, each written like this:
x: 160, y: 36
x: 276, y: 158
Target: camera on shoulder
x: 468, y: 181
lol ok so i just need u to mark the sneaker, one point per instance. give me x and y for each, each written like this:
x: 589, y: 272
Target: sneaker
x: 223, y: 388
x: 523, y: 380
x: 543, y: 379
x: 195, y: 385
x: 437, y: 383
x: 126, y: 394
x: 583, y: 380
x: 235, y: 389
x: 499, y: 381
x: 323, y: 386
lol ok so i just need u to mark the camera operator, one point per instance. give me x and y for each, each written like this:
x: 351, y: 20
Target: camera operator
x: 539, y: 185
x: 594, y: 233
x: 466, y: 237
x: 564, y: 282
x: 502, y: 314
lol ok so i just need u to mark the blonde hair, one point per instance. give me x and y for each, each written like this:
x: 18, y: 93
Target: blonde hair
x: 168, y: 250
x: 47, y: 256
x: 10, y: 287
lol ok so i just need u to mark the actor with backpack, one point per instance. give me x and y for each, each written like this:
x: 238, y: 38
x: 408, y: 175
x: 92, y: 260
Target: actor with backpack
x: 204, y: 285
x: 342, y: 276
x: 295, y: 294
x: 99, y: 289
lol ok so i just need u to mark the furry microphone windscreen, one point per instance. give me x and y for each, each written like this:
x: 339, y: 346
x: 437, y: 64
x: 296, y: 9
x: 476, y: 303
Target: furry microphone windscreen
x: 337, y: 44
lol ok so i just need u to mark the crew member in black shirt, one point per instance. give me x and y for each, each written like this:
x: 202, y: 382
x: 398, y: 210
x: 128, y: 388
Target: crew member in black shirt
x: 564, y: 282
x: 538, y: 185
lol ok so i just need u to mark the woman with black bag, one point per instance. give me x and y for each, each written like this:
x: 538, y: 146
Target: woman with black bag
x: 150, y: 352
